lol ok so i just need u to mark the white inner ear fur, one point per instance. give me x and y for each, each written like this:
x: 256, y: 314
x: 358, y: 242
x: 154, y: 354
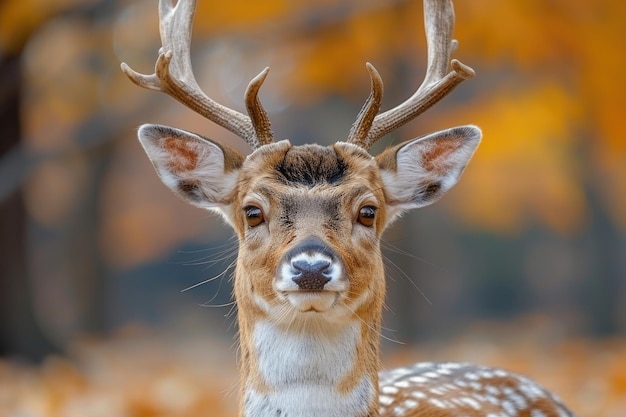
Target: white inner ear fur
x: 186, y: 161
x: 436, y: 161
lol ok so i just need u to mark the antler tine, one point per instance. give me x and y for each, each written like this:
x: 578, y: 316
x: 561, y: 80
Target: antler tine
x: 174, y: 76
x: 438, y: 82
x: 438, y: 25
x: 258, y: 115
x: 365, y: 118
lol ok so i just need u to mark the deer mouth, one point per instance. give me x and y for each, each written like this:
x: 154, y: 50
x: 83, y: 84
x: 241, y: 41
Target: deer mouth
x: 312, y: 301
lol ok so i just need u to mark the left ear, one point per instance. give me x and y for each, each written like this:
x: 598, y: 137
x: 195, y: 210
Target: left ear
x: 419, y: 172
x: 200, y: 171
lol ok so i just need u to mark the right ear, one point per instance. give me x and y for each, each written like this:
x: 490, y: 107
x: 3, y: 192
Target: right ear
x: 201, y: 172
x: 418, y: 172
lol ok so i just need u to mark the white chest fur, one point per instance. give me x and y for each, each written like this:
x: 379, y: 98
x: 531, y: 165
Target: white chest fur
x: 303, y: 370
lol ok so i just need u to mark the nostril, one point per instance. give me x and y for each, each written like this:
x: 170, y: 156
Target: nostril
x: 311, y: 276
x: 304, y: 266
x: 311, y: 281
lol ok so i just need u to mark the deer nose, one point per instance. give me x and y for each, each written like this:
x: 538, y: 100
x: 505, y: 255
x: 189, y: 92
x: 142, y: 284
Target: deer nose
x: 311, y: 276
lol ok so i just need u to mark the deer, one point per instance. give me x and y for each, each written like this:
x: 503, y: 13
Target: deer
x: 309, y: 281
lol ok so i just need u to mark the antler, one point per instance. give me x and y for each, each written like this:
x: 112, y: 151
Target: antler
x: 363, y: 124
x: 173, y: 75
x: 438, y: 82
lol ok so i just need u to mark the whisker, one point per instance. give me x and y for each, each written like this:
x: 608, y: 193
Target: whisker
x: 221, y: 274
x: 379, y: 297
x: 395, y: 249
x: 230, y: 241
x: 378, y: 332
x: 206, y: 281
x: 387, y: 259
x: 232, y: 315
x: 214, y: 258
x: 216, y: 254
x: 217, y: 305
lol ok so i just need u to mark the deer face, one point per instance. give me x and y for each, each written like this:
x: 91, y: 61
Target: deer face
x: 309, y: 218
x: 305, y: 216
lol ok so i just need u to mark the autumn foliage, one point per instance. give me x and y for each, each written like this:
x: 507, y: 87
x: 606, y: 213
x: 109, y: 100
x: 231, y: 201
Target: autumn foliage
x: 549, y: 176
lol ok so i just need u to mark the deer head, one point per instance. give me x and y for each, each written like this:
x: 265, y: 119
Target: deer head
x: 309, y: 280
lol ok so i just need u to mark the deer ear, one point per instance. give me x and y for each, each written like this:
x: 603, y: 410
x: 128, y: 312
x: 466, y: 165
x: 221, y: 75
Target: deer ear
x: 419, y: 172
x: 200, y: 171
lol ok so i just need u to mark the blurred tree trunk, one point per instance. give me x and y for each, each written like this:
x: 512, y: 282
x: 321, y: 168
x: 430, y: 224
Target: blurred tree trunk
x: 19, y: 333
x: 601, y: 293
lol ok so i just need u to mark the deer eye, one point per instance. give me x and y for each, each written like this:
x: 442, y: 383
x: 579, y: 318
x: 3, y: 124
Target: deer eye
x: 254, y: 215
x: 367, y: 215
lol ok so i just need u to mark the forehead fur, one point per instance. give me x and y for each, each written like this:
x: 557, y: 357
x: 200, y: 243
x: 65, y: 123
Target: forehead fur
x: 309, y: 165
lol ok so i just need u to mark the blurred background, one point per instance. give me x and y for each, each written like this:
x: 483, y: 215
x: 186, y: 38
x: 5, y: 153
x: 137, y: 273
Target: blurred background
x: 115, y: 297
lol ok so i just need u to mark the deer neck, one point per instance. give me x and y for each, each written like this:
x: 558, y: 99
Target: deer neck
x: 312, y: 366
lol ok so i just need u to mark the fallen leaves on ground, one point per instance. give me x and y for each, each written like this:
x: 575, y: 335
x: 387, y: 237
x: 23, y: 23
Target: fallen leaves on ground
x: 143, y: 374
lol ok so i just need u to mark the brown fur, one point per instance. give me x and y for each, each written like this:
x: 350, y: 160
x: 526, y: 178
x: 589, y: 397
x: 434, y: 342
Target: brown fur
x: 318, y: 177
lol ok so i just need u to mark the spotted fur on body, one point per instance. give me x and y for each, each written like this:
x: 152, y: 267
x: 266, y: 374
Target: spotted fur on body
x: 438, y: 389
